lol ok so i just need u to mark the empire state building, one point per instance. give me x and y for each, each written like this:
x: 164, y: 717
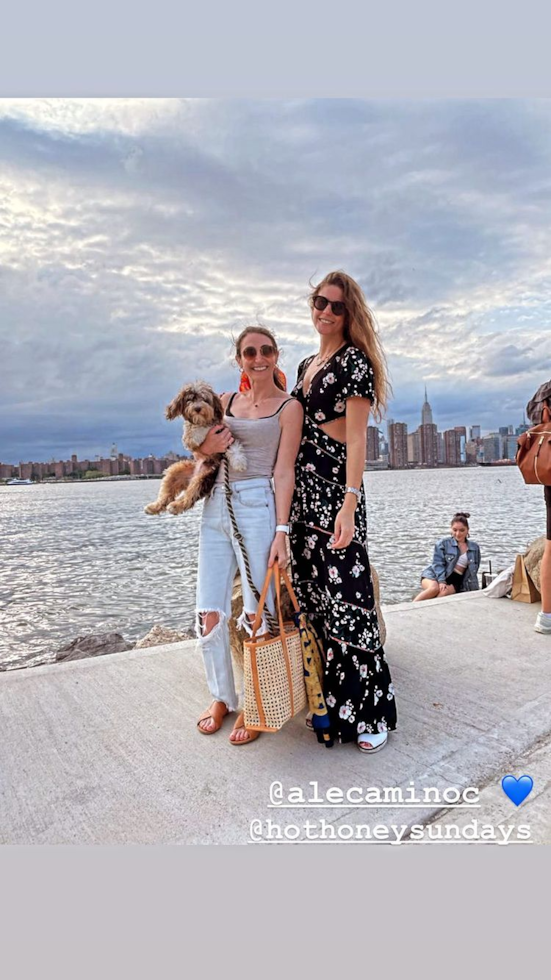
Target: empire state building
x: 426, y: 411
x: 428, y: 439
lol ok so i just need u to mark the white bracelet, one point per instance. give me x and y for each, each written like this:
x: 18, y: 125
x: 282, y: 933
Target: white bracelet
x: 354, y: 490
x: 283, y: 527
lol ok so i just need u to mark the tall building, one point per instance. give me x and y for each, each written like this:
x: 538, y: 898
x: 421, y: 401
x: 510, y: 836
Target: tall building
x: 471, y: 451
x: 475, y: 432
x: 462, y: 432
x: 398, y: 444
x: 440, y: 445
x: 413, y: 447
x: 511, y: 446
x: 492, y: 448
x: 372, y: 449
x: 428, y: 444
x: 426, y: 411
x: 452, y: 447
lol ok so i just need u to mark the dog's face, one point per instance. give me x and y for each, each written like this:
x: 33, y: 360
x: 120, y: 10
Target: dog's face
x: 197, y: 403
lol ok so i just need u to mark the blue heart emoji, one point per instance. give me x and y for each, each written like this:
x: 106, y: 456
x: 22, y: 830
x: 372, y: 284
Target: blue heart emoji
x: 517, y: 789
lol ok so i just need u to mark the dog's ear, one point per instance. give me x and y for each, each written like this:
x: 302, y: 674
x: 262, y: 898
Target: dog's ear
x: 178, y: 404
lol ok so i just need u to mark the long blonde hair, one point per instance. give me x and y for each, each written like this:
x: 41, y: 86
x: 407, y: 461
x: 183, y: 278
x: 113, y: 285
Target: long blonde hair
x: 360, y: 329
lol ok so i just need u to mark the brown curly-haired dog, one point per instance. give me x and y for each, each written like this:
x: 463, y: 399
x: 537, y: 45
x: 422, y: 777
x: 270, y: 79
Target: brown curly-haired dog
x: 185, y: 482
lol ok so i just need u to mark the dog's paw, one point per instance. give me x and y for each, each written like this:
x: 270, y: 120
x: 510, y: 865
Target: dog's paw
x: 177, y: 507
x: 152, y: 509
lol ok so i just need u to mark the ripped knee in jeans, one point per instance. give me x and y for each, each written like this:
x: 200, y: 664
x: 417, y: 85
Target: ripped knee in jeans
x: 209, y: 623
x: 246, y: 622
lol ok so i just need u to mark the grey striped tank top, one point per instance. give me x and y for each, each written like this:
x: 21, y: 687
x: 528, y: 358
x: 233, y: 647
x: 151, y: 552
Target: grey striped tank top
x: 260, y: 440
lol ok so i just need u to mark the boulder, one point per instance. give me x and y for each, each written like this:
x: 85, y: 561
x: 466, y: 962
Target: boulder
x: 532, y: 560
x: 159, y: 635
x: 93, y: 645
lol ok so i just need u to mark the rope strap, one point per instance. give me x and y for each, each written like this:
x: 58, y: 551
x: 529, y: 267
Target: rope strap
x: 273, y: 625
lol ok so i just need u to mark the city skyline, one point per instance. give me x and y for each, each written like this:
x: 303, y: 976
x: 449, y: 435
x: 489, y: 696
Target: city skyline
x: 426, y: 417
x: 139, y: 234
x: 433, y: 447
x: 430, y: 447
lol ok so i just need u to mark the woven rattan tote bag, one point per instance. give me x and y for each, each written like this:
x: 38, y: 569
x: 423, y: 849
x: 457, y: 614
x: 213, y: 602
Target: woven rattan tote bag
x: 274, y: 677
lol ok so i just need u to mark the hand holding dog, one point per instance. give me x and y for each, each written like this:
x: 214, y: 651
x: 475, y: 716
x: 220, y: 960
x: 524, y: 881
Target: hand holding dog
x: 217, y: 441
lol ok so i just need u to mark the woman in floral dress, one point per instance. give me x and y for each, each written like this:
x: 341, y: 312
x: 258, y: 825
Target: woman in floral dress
x: 337, y: 387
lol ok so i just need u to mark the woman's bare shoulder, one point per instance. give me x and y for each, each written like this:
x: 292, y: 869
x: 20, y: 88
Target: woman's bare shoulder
x: 225, y: 397
x: 291, y: 412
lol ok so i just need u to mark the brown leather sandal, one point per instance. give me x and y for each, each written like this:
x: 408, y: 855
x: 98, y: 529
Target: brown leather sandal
x: 240, y: 723
x: 217, y: 718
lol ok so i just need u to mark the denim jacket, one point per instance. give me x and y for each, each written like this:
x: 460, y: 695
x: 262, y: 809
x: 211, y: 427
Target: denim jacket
x: 445, y: 558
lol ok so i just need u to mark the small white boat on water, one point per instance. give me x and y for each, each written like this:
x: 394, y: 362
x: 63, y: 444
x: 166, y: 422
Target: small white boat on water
x: 19, y: 483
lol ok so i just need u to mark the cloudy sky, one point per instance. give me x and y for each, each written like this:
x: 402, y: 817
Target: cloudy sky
x: 137, y: 235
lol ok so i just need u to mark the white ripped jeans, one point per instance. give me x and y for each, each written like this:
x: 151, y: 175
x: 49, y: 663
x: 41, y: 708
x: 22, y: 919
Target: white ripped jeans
x: 219, y: 557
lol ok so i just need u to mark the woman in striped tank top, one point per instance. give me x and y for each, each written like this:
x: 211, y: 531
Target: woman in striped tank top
x: 268, y: 424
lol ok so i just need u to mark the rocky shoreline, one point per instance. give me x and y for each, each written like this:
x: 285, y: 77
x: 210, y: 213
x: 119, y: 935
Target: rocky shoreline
x: 99, y: 645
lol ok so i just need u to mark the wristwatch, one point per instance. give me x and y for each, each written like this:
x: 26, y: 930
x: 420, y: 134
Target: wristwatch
x: 283, y: 527
x: 354, y: 490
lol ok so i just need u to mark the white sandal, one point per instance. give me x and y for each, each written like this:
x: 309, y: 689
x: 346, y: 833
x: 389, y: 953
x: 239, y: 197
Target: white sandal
x: 372, y: 743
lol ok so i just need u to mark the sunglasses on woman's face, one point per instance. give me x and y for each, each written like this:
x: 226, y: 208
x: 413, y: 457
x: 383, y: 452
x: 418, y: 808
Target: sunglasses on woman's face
x: 267, y: 350
x: 338, y: 307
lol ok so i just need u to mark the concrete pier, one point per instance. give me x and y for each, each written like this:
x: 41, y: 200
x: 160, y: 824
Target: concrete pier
x: 106, y: 751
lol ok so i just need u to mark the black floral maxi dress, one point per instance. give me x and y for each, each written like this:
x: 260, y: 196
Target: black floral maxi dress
x: 334, y: 587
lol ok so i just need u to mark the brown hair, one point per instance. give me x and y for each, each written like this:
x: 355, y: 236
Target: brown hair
x: 462, y: 518
x: 279, y: 377
x: 360, y: 329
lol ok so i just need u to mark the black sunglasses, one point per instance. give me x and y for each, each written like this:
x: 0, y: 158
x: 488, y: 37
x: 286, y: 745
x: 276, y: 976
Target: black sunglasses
x: 267, y: 350
x: 338, y: 307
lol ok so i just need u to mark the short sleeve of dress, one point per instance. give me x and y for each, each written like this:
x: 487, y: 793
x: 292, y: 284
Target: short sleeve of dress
x: 357, y: 377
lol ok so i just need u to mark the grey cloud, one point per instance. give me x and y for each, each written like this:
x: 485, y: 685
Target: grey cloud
x: 129, y: 257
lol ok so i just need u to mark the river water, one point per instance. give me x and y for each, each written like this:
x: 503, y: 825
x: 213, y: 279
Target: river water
x: 83, y: 557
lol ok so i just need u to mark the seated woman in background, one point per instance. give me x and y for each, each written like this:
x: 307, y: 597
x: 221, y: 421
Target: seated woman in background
x: 455, y: 563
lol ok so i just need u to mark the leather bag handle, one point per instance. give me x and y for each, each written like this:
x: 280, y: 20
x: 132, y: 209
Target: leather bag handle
x: 278, y: 573
x: 262, y: 601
